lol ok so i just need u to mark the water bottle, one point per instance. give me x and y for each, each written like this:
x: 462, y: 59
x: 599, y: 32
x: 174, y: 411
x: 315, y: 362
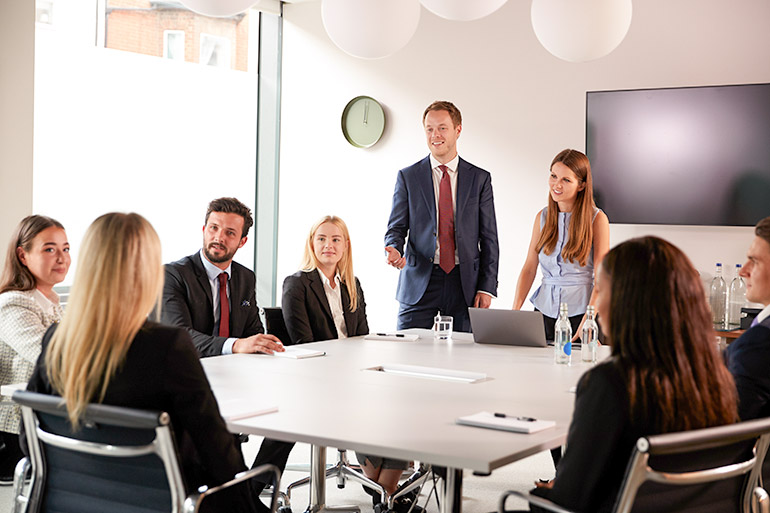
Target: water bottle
x: 590, y: 338
x: 737, y: 299
x: 562, y: 344
x: 718, y: 298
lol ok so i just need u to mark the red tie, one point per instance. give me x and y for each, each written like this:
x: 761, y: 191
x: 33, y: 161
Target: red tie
x: 224, y: 307
x: 446, y: 223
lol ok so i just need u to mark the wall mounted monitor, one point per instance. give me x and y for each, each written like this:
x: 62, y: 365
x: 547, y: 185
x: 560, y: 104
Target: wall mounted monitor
x: 683, y: 156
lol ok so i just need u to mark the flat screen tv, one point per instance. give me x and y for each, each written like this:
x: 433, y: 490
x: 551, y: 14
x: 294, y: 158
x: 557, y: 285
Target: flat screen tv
x: 683, y: 156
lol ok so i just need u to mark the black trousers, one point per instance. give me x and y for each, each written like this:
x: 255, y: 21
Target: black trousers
x: 274, y: 452
x: 444, y: 294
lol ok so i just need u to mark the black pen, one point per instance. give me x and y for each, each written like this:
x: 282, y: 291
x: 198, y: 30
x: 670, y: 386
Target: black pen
x: 525, y: 419
x: 401, y: 335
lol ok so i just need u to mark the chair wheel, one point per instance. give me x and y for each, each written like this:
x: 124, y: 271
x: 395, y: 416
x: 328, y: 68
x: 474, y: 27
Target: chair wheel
x: 284, y: 509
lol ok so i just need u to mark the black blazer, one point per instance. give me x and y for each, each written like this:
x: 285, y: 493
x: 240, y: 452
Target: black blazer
x: 748, y: 359
x: 187, y: 303
x: 306, y: 310
x: 162, y: 372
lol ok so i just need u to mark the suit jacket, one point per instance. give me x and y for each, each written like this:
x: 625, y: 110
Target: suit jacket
x: 414, y: 215
x: 748, y: 359
x: 306, y: 310
x: 162, y: 372
x: 187, y: 303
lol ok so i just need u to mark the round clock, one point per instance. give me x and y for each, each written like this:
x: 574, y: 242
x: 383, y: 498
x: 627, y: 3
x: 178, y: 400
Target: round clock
x: 363, y: 121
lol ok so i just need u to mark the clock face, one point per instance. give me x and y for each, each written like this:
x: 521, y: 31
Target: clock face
x: 363, y: 121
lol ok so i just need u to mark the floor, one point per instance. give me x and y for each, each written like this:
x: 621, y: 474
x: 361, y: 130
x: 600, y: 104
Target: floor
x: 480, y: 494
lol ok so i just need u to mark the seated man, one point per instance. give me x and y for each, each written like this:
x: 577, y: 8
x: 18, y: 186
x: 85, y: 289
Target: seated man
x: 748, y: 358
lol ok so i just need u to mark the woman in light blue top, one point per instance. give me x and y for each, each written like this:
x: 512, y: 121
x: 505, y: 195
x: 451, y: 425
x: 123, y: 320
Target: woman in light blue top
x: 569, y: 239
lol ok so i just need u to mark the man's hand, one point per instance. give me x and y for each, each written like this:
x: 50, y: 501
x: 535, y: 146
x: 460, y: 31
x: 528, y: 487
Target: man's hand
x: 482, y: 300
x: 394, y: 258
x: 260, y: 343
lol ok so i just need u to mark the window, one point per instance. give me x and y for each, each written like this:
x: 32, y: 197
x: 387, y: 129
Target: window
x: 173, y: 45
x: 215, y: 51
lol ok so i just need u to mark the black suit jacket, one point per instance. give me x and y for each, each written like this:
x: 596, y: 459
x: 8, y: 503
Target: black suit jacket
x: 748, y: 359
x: 187, y: 303
x: 306, y: 310
x: 162, y: 372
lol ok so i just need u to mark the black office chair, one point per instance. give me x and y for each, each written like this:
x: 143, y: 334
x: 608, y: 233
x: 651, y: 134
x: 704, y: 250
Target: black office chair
x: 274, y: 324
x: 706, y: 470
x: 121, y: 460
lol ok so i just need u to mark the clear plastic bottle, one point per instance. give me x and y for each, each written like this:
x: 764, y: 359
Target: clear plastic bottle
x: 590, y: 336
x: 718, y: 298
x: 737, y: 299
x: 562, y: 343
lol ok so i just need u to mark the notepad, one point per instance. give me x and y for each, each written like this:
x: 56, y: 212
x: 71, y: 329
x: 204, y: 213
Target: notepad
x: 298, y: 353
x: 486, y: 419
x: 394, y: 337
x: 239, y: 409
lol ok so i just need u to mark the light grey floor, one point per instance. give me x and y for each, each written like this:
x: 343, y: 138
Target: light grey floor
x: 480, y: 494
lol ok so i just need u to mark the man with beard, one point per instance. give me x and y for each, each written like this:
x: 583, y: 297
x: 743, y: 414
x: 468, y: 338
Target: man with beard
x: 214, y: 298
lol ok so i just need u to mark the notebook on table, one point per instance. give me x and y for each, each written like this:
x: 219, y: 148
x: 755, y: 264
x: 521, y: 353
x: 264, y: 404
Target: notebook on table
x: 507, y: 327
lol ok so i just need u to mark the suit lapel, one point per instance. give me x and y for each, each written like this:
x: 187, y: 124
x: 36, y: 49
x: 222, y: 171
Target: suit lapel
x: 426, y: 187
x: 464, y: 180
x: 318, y: 289
x: 350, y: 321
x: 203, y: 280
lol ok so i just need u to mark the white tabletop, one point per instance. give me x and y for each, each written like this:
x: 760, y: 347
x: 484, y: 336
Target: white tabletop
x: 334, y: 401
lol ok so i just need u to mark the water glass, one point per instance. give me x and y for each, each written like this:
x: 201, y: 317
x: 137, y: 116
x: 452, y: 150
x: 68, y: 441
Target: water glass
x: 442, y: 328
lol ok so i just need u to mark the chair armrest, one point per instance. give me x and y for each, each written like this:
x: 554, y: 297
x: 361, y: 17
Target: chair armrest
x: 538, y: 501
x: 20, y: 501
x: 193, y: 501
x: 761, y: 500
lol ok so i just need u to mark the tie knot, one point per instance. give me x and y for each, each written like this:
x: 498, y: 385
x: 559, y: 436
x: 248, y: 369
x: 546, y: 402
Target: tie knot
x: 222, y: 278
x: 443, y: 168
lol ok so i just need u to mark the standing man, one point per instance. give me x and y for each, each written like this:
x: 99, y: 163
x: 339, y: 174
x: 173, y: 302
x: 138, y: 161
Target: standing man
x: 748, y: 358
x: 444, y: 211
x: 214, y: 298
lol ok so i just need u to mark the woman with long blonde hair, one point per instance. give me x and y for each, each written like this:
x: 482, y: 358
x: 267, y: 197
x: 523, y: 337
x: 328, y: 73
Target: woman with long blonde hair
x: 106, y: 351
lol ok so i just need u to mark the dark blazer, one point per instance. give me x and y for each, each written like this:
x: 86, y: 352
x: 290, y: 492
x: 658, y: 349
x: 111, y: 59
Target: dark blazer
x: 748, y: 359
x: 162, y: 372
x: 414, y: 215
x: 187, y: 303
x: 307, y: 314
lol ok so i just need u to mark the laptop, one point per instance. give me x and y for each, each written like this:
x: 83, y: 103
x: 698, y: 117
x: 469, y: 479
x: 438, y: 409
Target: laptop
x: 507, y: 327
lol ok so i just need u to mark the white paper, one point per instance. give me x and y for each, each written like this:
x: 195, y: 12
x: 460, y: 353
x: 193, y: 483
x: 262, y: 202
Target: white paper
x: 486, y: 419
x: 393, y: 337
x: 298, y: 352
x: 238, y: 409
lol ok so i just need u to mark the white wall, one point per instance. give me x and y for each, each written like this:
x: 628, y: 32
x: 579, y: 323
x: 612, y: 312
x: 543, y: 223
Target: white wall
x: 520, y: 107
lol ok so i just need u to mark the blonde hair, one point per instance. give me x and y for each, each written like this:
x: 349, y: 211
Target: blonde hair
x: 118, y: 283
x: 344, y: 266
x: 581, y: 231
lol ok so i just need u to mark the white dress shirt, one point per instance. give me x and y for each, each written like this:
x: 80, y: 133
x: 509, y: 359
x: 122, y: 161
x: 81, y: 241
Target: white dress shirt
x: 334, y: 297
x: 213, y: 272
x: 437, y: 174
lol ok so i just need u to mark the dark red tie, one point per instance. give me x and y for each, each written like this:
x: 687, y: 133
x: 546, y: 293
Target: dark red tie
x: 446, y: 223
x: 224, y: 307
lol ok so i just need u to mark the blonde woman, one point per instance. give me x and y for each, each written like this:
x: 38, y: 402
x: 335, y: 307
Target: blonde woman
x: 324, y: 300
x: 106, y: 351
x: 37, y: 259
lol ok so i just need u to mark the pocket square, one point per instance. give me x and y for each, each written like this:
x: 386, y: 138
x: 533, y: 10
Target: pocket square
x: 246, y: 302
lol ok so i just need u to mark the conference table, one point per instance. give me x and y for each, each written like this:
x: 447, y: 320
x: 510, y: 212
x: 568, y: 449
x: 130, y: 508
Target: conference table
x: 358, y: 397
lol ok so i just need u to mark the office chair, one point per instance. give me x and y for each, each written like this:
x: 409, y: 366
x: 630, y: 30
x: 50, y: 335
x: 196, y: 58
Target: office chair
x: 706, y: 470
x: 121, y: 460
x: 274, y: 324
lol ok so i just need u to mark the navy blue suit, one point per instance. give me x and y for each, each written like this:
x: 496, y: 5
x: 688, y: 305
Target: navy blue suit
x: 748, y: 359
x: 413, y: 222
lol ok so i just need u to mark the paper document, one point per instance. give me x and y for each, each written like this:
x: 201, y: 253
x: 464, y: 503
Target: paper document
x: 395, y: 337
x: 238, y: 409
x: 299, y: 352
x: 514, y: 423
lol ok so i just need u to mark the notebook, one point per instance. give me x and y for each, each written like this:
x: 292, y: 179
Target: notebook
x: 298, y: 352
x: 503, y: 422
x: 507, y: 327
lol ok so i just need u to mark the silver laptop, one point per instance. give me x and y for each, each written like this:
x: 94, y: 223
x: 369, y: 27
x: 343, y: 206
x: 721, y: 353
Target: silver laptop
x: 507, y: 327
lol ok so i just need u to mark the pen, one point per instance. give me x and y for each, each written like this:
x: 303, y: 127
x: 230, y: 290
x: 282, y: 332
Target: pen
x: 525, y: 419
x: 400, y: 335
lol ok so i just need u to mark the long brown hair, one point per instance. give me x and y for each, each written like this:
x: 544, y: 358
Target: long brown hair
x: 16, y: 276
x: 661, y: 334
x: 118, y: 282
x: 344, y: 266
x: 581, y: 231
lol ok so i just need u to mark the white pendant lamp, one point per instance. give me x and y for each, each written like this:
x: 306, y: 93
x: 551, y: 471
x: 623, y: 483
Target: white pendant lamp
x: 462, y: 10
x: 219, y: 8
x: 370, y: 29
x: 581, y: 30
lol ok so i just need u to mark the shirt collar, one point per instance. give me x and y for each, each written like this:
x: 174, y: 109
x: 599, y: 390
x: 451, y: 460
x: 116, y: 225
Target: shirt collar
x: 764, y: 314
x: 451, y: 165
x: 213, y: 271
x: 326, y: 281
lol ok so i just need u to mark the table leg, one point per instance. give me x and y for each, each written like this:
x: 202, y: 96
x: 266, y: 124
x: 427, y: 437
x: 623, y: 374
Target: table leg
x: 318, y: 484
x: 453, y: 491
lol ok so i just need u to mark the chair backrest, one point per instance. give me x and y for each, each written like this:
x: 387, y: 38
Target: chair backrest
x: 706, y: 470
x: 121, y: 460
x: 274, y: 324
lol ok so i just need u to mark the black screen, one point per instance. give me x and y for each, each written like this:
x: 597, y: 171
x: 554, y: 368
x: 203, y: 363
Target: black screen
x: 687, y: 156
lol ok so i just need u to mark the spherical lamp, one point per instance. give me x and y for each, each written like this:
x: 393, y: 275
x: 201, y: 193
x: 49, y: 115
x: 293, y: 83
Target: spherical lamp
x: 219, y: 8
x: 370, y: 29
x: 580, y: 30
x: 462, y: 10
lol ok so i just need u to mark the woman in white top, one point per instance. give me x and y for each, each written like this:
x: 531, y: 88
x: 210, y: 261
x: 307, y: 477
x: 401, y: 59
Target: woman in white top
x: 37, y: 259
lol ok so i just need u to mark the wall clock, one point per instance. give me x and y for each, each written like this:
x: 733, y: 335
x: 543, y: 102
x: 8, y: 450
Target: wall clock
x: 363, y: 121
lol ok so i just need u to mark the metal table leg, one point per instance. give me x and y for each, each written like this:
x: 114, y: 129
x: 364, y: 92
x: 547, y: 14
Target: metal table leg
x: 318, y: 484
x: 453, y: 491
